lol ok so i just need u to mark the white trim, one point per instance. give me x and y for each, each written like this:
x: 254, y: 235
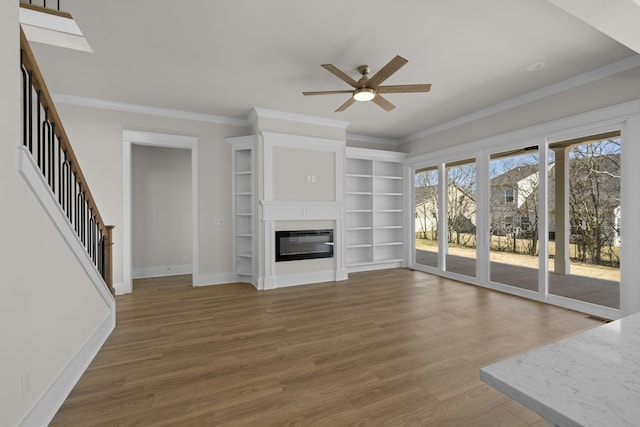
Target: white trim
x: 287, y: 280
x: 371, y: 139
x: 300, y: 210
x: 32, y: 175
x: 259, y: 112
x: 483, y: 218
x: 46, y: 408
x: 166, y: 270
x: 376, y: 266
x: 373, y: 154
x: 56, y: 38
x: 630, y: 203
x: 275, y: 139
x: 281, y: 210
x: 216, y: 279
x: 588, y: 77
x: 624, y: 117
x: 244, y: 143
x: 552, y: 130
x: 83, y: 101
x: 579, y: 80
x: 130, y: 138
x: 49, y: 21
x: 119, y: 288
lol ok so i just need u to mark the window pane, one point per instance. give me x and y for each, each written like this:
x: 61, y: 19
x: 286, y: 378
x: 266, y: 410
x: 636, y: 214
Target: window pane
x: 426, y: 216
x: 461, y: 218
x: 584, y: 220
x: 513, y: 213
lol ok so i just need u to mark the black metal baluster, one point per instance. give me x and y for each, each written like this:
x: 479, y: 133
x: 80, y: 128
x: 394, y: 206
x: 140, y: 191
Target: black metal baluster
x: 30, y: 118
x: 81, y: 216
x: 52, y: 158
x: 60, y: 166
x: 40, y: 132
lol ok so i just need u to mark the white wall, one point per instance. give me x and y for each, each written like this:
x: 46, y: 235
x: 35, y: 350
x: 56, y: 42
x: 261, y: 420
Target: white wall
x: 161, y: 204
x: 48, y: 307
x: 97, y: 138
x: 293, y: 168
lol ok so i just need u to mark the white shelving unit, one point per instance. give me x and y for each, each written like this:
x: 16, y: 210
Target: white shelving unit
x: 374, y: 209
x: 243, y: 206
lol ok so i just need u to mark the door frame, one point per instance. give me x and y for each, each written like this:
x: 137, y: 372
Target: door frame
x: 129, y: 139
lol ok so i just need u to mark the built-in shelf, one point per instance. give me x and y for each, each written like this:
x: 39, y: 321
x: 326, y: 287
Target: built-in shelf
x: 243, y: 206
x: 374, y: 206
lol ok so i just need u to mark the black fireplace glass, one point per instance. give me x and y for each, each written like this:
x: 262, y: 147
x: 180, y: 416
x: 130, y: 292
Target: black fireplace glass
x: 303, y: 244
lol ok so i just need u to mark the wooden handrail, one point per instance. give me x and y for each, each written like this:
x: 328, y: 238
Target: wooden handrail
x: 46, y: 10
x: 99, y: 250
x: 38, y: 82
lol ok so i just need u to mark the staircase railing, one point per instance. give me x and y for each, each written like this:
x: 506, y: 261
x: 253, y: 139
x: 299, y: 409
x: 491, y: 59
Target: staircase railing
x: 42, y: 4
x: 46, y: 140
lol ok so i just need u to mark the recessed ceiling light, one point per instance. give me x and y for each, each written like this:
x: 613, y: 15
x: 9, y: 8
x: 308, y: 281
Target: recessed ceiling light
x: 535, y: 66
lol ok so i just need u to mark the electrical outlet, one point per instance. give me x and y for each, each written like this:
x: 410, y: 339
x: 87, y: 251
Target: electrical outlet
x: 218, y: 221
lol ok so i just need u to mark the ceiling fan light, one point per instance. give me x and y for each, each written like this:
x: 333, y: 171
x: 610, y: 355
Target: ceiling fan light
x: 364, y: 94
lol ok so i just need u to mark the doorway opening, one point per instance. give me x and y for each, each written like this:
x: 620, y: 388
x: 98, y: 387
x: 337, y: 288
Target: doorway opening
x: 150, y: 139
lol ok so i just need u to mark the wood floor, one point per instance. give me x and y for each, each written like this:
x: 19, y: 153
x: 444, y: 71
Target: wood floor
x: 587, y: 289
x: 394, y: 347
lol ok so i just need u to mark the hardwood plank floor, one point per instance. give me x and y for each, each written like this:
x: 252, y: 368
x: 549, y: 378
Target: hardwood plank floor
x: 394, y: 347
x: 582, y: 288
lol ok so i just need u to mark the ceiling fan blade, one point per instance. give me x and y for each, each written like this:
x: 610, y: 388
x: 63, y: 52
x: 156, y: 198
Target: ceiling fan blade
x: 386, y: 71
x: 346, y: 105
x: 404, y: 88
x: 382, y: 102
x: 327, y: 92
x: 341, y: 75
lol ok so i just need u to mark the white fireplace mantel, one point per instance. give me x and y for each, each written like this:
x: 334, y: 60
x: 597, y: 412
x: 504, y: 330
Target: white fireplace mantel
x: 283, y: 210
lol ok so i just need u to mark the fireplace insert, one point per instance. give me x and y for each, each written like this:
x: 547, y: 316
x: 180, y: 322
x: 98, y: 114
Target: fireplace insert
x: 303, y: 244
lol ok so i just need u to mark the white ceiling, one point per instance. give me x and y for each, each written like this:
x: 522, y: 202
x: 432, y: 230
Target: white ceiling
x: 225, y: 57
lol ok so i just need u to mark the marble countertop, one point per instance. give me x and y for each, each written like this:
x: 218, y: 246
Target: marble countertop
x: 590, y: 379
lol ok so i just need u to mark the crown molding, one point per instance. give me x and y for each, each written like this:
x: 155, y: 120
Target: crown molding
x: 371, y: 139
x: 259, y: 112
x: 145, y: 109
x: 573, y: 82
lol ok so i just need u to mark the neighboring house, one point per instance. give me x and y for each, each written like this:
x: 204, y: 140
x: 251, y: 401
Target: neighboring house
x: 514, y: 201
x: 462, y: 210
x: 594, y: 199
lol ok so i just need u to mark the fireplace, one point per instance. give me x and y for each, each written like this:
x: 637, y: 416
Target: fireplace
x: 303, y: 244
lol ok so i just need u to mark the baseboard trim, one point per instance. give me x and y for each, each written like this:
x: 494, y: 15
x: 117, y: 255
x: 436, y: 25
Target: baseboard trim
x: 47, y: 407
x: 120, y: 288
x: 372, y: 267
x: 217, y: 279
x: 166, y: 270
x: 286, y: 280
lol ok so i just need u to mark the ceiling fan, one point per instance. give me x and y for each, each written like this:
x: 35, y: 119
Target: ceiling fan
x: 369, y: 89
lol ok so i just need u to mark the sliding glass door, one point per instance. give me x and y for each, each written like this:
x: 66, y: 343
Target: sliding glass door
x: 426, y: 191
x: 513, y: 215
x: 565, y: 196
x: 461, y: 218
x: 584, y: 217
